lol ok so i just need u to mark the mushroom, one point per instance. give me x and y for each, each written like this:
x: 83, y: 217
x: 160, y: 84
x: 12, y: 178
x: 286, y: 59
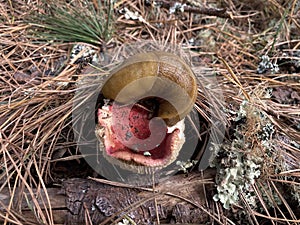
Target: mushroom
x: 141, y: 128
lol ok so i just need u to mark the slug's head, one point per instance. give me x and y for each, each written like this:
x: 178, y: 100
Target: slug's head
x: 149, y: 95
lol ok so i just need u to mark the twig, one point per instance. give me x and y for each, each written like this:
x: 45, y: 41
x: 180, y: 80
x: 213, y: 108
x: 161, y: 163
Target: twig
x: 222, y: 13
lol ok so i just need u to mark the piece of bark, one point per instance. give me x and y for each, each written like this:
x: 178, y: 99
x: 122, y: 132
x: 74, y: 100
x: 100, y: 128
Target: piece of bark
x: 80, y: 200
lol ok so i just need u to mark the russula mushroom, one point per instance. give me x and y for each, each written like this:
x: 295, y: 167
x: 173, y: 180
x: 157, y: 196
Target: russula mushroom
x: 141, y: 126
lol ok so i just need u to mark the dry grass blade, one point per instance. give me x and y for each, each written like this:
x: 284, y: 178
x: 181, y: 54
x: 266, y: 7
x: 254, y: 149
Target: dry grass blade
x: 33, y: 122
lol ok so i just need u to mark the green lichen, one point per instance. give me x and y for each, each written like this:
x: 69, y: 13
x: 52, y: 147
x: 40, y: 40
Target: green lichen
x: 184, y: 166
x: 237, y: 161
x: 124, y: 222
x: 242, y: 111
x: 267, y: 65
x: 237, y: 171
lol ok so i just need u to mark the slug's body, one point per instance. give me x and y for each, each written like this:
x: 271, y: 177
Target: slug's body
x: 142, y: 128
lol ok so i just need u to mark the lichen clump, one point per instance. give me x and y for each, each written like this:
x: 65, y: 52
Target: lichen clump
x: 239, y: 161
x: 236, y: 171
x: 266, y: 65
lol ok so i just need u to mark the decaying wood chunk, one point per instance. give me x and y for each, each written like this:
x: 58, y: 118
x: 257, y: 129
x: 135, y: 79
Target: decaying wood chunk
x: 79, y: 200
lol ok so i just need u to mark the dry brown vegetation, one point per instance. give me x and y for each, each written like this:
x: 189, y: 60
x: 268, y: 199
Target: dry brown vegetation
x: 38, y: 82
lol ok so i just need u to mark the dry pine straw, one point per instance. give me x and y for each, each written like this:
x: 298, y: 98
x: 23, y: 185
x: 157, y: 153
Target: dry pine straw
x: 35, y: 108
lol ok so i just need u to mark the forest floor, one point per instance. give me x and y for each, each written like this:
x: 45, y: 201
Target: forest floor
x: 251, y: 50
